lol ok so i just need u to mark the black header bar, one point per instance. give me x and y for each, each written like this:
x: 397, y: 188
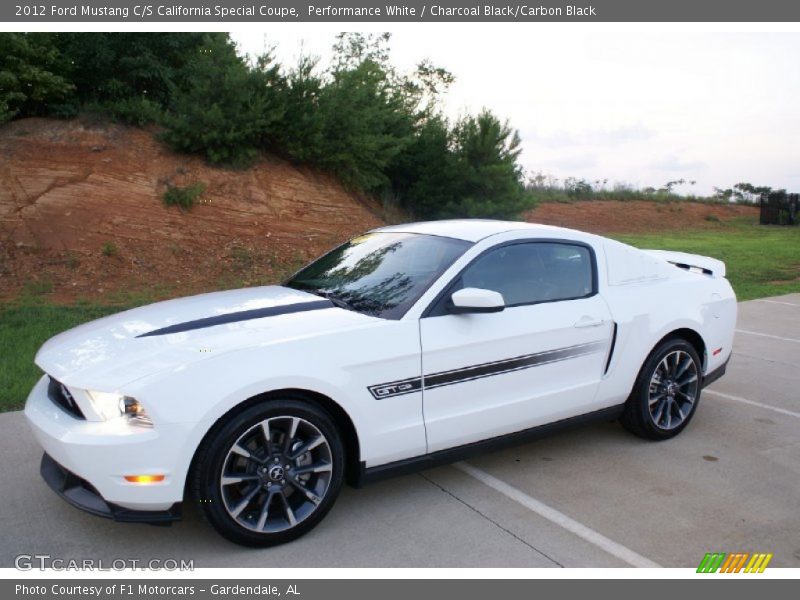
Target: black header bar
x: 288, y: 11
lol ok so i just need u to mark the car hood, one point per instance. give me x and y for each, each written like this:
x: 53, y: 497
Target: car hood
x: 110, y: 352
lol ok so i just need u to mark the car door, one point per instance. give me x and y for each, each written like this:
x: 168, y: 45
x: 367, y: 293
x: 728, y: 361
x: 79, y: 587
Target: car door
x: 539, y: 360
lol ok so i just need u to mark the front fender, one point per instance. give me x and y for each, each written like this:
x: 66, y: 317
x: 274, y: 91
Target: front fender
x: 339, y: 366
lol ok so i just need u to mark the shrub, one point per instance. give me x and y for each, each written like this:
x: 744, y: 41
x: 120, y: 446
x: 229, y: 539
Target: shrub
x: 243, y: 258
x: 37, y: 287
x: 183, y: 197
x: 109, y: 249
x: 136, y: 111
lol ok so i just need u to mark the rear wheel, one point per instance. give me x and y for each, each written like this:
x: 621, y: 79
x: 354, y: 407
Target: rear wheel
x: 666, y: 392
x: 270, y: 474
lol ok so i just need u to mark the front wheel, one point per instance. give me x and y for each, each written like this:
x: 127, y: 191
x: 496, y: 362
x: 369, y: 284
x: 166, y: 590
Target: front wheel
x: 270, y: 474
x: 666, y: 392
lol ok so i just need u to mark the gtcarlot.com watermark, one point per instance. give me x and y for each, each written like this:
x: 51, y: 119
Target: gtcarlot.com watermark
x: 42, y: 562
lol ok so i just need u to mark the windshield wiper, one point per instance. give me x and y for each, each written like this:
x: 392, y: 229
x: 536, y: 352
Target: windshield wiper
x: 335, y: 299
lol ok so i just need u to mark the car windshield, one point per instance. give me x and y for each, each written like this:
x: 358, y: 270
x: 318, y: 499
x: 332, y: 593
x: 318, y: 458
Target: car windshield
x: 380, y: 274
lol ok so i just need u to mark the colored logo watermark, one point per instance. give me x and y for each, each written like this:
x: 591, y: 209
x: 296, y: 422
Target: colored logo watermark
x: 737, y: 562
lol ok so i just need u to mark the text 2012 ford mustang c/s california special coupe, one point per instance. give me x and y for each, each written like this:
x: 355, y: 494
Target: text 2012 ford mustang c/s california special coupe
x: 406, y: 347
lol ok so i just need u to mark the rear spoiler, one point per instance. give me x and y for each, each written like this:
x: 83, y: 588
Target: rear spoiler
x: 691, y: 262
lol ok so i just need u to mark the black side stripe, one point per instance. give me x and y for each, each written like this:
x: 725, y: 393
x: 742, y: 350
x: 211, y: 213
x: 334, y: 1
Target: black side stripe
x: 471, y: 373
x: 242, y: 315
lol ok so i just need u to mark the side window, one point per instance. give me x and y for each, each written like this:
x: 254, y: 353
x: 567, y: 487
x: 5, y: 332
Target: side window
x: 532, y: 272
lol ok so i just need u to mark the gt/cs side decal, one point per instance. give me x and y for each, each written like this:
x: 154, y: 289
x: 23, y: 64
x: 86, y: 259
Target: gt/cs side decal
x: 395, y: 388
x: 464, y: 374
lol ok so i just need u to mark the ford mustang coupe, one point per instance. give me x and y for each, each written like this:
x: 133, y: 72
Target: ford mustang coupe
x: 407, y: 347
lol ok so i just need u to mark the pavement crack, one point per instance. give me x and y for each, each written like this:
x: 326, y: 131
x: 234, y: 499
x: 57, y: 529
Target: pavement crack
x: 492, y: 521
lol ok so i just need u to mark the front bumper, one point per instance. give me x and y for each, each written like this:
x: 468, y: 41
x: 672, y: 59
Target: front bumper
x: 92, y: 458
x: 81, y: 494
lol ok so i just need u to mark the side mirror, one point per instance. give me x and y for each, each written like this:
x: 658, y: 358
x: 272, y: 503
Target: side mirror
x: 476, y: 300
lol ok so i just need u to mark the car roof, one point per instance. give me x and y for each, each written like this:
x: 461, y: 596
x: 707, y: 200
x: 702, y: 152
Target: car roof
x: 471, y: 230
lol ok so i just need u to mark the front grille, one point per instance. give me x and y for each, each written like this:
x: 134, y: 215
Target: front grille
x: 59, y: 395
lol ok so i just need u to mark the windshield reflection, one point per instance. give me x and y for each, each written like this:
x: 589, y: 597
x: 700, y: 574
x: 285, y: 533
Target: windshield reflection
x: 380, y: 274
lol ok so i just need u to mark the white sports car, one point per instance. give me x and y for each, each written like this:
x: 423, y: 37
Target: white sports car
x: 404, y: 348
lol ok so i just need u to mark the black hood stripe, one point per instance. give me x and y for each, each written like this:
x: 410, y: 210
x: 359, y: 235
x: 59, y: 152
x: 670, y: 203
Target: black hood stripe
x: 499, y: 367
x: 243, y: 315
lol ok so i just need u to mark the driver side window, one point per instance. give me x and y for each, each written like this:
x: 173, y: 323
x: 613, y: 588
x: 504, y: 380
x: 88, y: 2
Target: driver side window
x: 529, y: 273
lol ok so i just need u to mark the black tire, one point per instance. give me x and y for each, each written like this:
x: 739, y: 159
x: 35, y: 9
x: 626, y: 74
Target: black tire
x: 641, y: 414
x: 264, y: 477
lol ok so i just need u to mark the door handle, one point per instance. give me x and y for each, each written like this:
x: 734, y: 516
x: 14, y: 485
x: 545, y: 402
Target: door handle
x: 588, y: 322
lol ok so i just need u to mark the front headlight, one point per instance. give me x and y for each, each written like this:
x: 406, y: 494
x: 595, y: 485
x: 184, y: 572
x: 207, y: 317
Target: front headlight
x: 112, y: 406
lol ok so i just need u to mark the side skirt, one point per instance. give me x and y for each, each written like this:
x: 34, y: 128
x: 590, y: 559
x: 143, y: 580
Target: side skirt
x: 443, y: 457
x: 716, y: 374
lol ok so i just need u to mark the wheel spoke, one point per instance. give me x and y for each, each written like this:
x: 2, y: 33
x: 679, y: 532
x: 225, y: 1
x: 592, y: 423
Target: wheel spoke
x: 245, y: 453
x: 262, y: 518
x: 656, y: 398
x: 308, y: 493
x: 674, y: 368
x: 287, y: 442
x: 289, y: 512
x: 663, y: 366
x: 316, y: 468
x: 267, y: 435
x: 232, y: 479
x: 660, y: 411
x: 237, y: 510
x: 668, y: 424
x: 691, y: 379
x: 241, y: 451
x: 683, y: 367
x: 307, y: 447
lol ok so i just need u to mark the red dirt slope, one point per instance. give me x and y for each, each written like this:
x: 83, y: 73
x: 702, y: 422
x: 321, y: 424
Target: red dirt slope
x: 638, y: 216
x: 82, y: 216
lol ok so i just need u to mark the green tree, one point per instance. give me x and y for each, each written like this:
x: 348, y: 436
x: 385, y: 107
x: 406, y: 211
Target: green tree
x: 226, y: 109
x: 425, y: 176
x: 364, y: 126
x: 132, y: 76
x: 490, y: 178
x: 30, y: 80
x: 367, y: 115
x: 300, y: 134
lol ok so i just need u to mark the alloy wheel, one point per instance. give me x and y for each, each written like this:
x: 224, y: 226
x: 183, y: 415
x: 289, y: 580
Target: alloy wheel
x: 276, y: 474
x: 673, y: 389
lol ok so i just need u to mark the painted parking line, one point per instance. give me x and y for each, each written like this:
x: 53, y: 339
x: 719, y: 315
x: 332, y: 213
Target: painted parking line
x: 551, y: 514
x: 766, y: 335
x: 783, y: 411
x: 779, y: 302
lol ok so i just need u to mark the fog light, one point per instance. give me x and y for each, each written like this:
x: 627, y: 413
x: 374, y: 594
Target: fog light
x: 144, y: 478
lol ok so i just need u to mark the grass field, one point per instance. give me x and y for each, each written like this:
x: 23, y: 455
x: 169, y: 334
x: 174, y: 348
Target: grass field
x: 761, y: 261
